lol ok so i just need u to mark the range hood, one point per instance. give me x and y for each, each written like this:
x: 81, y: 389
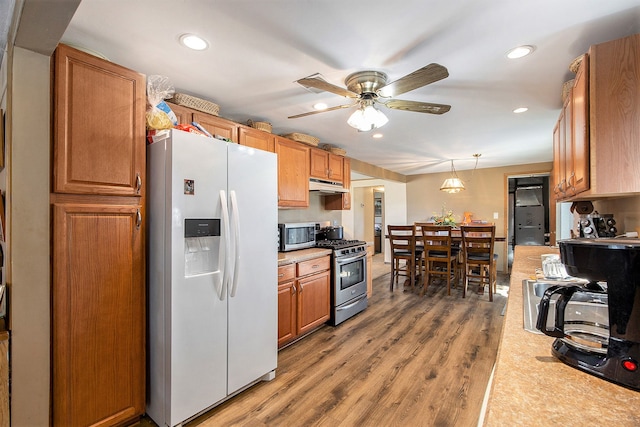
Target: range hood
x: 326, y: 187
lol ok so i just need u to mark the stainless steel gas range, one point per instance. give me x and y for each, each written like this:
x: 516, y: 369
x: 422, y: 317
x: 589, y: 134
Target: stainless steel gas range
x: 349, y: 278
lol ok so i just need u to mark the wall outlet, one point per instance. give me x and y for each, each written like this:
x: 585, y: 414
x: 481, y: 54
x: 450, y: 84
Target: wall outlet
x: 495, y: 215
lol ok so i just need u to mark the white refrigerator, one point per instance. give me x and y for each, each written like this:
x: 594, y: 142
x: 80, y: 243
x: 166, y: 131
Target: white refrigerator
x: 212, y: 278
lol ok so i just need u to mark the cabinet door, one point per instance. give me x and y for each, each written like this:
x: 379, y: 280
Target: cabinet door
x: 217, y: 126
x: 293, y: 173
x: 183, y: 114
x: 341, y: 201
x: 557, y: 170
x: 98, y: 312
x: 313, y: 301
x: 99, y: 121
x: 336, y: 168
x: 568, y: 145
x: 257, y: 139
x: 580, y: 124
x: 614, y: 80
x: 287, y: 309
x: 319, y: 163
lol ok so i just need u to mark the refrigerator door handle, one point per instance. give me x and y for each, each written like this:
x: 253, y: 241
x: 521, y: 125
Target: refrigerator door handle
x: 224, y: 262
x: 235, y: 217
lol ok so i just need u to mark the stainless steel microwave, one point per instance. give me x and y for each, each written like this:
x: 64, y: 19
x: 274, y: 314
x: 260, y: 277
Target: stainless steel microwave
x: 294, y: 236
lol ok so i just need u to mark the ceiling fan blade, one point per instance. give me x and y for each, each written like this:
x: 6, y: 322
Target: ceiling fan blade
x: 419, y: 107
x: 339, y: 107
x: 318, y: 83
x: 422, y: 77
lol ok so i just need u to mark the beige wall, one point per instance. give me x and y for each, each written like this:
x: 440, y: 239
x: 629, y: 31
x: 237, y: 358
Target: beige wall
x: 314, y: 213
x: 486, y: 193
x: 626, y: 212
x: 29, y: 237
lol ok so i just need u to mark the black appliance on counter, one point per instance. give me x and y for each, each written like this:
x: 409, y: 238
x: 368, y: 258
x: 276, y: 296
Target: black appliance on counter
x: 349, y: 274
x: 612, y: 267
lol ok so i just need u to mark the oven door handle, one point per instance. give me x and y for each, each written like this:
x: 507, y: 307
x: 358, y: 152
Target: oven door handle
x: 348, y: 306
x: 346, y: 260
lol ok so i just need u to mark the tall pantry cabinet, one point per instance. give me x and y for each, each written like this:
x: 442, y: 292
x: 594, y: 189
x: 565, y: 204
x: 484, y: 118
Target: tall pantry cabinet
x: 98, y: 199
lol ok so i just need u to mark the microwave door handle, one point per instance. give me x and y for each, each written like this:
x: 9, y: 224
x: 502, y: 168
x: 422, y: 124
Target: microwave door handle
x: 235, y: 218
x: 224, y: 262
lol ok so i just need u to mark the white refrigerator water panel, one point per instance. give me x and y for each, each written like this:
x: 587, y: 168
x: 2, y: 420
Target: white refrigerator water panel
x: 205, y: 345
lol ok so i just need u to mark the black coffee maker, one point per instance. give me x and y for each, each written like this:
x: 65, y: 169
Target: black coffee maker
x: 610, y: 351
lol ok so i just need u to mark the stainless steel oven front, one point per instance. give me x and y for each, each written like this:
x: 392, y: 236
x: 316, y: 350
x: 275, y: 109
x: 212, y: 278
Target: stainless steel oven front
x: 349, y: 293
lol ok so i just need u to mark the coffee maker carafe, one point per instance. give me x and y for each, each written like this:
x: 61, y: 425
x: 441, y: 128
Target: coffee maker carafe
x: 608, y: 347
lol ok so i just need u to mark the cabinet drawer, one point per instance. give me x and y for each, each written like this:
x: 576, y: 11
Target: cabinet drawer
x: 312, y: 266
x: 286, y: 272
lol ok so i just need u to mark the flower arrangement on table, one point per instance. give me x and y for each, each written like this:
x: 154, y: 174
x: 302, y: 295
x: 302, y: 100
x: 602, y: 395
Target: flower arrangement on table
x: 445, y: 218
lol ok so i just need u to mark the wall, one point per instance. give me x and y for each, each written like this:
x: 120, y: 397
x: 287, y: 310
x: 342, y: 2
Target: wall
x: 486, y: 193
x: 29, y: 240
x: 314, y: 213
x: 626, y: 212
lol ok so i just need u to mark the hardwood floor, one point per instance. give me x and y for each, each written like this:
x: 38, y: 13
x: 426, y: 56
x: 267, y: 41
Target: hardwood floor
x: 405, y: 361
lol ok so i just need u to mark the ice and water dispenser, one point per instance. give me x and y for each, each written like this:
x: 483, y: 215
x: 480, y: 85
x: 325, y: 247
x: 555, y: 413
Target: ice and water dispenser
x: 201, y: 246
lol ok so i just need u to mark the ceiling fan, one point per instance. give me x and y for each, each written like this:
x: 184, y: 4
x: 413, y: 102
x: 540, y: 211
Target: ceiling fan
x: 368, y: 88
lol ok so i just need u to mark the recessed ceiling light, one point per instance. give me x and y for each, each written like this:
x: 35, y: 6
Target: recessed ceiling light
x: 520, y: 110
x: 193, y: 42
x: 520, y: 51
x: 320, y: 106
x: 377, y: 135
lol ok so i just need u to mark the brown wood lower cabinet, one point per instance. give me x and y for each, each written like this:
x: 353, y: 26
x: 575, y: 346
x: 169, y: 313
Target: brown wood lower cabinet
x: 303, y: 297
x: 98, y: 326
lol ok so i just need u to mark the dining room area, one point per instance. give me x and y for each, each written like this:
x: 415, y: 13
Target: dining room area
x: 441, y: 253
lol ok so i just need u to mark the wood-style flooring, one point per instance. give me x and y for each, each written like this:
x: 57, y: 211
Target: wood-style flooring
x: 405, y: 361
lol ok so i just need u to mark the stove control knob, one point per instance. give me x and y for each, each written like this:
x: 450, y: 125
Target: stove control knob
x: 584, y: 222
x: 588, y: 230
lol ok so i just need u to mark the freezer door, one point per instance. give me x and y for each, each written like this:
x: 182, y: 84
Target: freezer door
x: 253, y: 295
x: 198, y: 311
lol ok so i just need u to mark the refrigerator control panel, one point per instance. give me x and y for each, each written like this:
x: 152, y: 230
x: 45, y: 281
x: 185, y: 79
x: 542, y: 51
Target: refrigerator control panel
x: 201, y: 227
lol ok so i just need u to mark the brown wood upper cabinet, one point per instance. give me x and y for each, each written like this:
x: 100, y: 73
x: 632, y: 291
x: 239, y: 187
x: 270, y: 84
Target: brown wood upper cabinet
x: 601, y: 160
x: 293, y: 173
x: 326, y: 165
x: 571, y: 139
x: 341, y: 201
x: 99, y: 122
x: 213, y: 124
x: 256, y: 138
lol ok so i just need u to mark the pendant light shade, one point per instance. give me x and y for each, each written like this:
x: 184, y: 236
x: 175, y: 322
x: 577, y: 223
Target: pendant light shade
x: 367, y: 117
x: 452, y: 185
x: 455, y: 184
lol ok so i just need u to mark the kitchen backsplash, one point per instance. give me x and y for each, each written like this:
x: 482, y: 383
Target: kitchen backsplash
x: 626, y: 212
x: 314, y: 213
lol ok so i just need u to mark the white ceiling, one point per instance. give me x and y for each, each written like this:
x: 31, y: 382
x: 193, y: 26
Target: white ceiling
x: 259, y: 48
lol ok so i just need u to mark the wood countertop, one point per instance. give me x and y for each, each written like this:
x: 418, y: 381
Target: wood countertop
x: 533, y: 388
x: 285, y: 258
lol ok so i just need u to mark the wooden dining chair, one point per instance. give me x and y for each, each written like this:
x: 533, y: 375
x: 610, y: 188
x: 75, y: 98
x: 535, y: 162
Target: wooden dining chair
x: 478, y: 257
x: 440, y: 257
x: 404, y: 255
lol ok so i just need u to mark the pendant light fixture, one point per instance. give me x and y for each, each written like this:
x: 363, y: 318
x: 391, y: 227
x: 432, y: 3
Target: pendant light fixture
x: 454, y: 184
x: 367, y: 117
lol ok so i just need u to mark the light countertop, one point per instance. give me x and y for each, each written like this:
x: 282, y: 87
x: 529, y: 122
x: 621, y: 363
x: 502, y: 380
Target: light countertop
x: 285, y: 258
x: 532, y: 387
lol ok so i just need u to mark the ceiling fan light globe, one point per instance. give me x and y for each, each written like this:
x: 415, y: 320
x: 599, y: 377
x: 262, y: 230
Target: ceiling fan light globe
x: 367, y: 118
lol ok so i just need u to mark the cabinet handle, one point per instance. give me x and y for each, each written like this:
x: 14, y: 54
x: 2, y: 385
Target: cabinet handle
x: 138, y: 183
x: 138, y: 219
x: 293, y: 289
x: 315, y: 266
x: 281, y: 275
